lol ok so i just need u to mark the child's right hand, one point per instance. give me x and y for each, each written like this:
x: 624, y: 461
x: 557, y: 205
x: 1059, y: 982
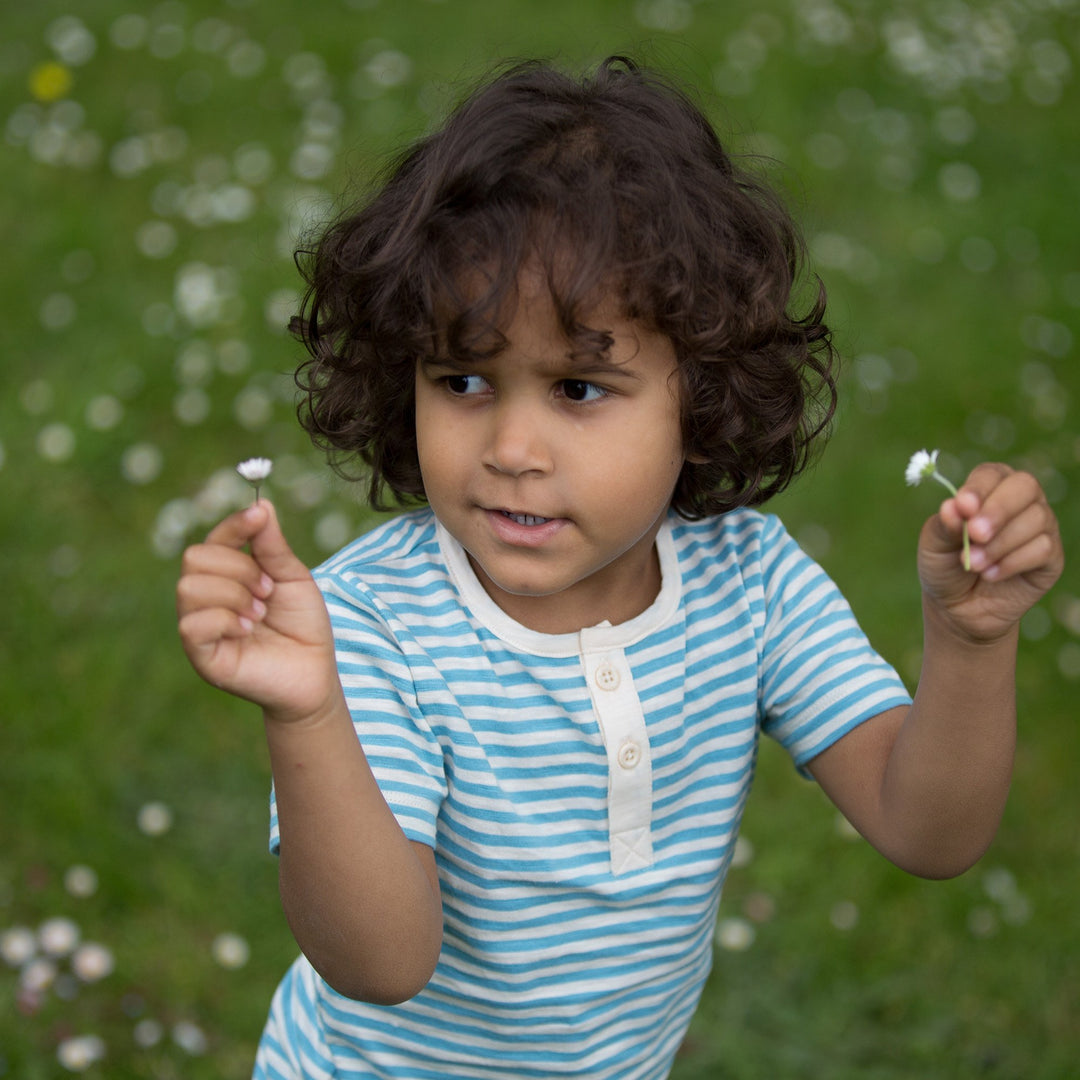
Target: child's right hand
x: 256, y: 624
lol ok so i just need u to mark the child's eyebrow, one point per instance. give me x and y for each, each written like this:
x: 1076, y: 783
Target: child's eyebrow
x: 596, y: 365
x: 448, y: 362
x: 569, y: 366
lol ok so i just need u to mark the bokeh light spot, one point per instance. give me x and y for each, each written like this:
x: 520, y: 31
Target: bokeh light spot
x: 735, y: 934
x: 141, y: 463
x: 154, y: 819
x: 56, y: 442
x: 959, y: 182
x: 230, y: 951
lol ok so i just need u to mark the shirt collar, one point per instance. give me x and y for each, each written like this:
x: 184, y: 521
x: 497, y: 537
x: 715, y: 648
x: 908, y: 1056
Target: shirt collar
x: 593, y: 638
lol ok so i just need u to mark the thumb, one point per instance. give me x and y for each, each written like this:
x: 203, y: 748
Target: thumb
x: 270, y: 549
x: 941, y: 563
x: 943, y: 532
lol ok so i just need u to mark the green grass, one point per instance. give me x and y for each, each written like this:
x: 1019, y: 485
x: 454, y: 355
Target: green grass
x: 98, y: 711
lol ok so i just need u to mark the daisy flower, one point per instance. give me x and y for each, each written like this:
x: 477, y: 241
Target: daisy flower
x: 255, y: 470
x: 923, y: 466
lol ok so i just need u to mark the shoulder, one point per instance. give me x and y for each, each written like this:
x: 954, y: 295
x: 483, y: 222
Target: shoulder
x: 396, y: 543
x: 741, y: 539
x: 396, y: 567
x: 747, y: 558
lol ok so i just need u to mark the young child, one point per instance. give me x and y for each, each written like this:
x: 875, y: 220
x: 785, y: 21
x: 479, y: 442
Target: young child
x: 512, y: 732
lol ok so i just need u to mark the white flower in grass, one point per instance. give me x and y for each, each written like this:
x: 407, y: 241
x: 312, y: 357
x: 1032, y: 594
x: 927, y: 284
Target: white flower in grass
x: 190, y: 1038
x: 18, y: 945
x: 734, y: 934
x: 154, y: 819
x: 80, y: 881
x: 58, y: 936
x: 38, y: 975
x: 148, y: 1033
x: 91, y: 962
x: 923, y: 466
x: 231, y: 951
x: 255, y: 470
x: 77, y: 1054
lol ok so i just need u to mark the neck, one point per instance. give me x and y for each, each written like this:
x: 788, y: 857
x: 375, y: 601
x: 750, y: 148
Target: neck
x: 612, y: 598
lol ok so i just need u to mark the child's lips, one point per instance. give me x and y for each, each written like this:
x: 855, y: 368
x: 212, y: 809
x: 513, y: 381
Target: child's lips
x: 523, y: 528
x: 524, y: 518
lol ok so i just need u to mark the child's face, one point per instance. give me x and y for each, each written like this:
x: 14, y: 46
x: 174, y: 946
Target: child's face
x: 555, y: 475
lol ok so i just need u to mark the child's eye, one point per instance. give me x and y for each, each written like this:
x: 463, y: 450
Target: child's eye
x: 465, y: 385
x: 579, y: 390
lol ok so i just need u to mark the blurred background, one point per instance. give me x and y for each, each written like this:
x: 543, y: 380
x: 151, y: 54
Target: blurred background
x: 158, y: 163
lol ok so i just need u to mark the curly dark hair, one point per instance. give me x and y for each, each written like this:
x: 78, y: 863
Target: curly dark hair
x: 617, y: 186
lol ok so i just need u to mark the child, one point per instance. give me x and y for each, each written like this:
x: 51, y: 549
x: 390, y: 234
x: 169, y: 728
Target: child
x: 510, y: 766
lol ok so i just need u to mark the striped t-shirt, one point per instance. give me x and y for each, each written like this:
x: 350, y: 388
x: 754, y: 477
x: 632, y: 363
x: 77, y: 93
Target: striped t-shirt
x: 582, y: 793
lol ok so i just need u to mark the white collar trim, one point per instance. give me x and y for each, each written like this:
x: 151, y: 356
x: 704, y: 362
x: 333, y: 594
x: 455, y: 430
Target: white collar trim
x: 604, y: 636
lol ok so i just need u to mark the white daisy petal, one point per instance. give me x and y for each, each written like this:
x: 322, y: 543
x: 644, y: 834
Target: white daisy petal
x: 922, y: 464
x: 255, y: 469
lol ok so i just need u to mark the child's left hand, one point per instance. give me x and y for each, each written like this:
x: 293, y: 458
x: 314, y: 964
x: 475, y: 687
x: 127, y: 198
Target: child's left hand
x: 1016, y: 553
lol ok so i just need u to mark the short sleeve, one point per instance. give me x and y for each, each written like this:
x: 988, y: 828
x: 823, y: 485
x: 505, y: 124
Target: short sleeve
x: 819, y: 675
x: 380, y: 689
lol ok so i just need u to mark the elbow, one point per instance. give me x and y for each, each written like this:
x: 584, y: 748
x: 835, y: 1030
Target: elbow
x: 938, y: 862
x: 391, y: 988
x: 933, y: 871
x: 397, y: 975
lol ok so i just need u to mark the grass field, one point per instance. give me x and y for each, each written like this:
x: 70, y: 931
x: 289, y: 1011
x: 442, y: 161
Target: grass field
x: 158, y: 163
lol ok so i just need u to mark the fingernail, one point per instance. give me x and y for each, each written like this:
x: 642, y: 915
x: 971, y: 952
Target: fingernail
x: 246, y: 624
x: 981, y: 527
x: 259, y: 608
x: 266, y: 585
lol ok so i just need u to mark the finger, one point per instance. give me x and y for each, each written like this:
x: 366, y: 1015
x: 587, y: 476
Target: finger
x: 199, y: 592
x: 1018, y: 531
x: 271, y: 550
x: 217, y: 560
x: 999, y: 502
x: 943, y: 532
x: 258, y: 527
x: 237, y: 529
x: 980, y: 483
x: 1011, y: 499
x: 202, y: 631
x: 1033, y: 560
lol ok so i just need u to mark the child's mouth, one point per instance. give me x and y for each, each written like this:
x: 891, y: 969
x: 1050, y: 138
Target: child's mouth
x: 525, y: 519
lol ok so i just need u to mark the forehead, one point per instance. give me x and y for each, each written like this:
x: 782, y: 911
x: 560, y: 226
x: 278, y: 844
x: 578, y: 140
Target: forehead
x: 550, y: 296
x: 531, y: 337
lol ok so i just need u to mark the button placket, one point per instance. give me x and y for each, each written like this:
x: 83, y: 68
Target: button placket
x: 622, y: 724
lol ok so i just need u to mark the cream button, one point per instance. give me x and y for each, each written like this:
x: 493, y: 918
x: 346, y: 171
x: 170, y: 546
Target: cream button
x: 629, y: 755
x: 607, y: 677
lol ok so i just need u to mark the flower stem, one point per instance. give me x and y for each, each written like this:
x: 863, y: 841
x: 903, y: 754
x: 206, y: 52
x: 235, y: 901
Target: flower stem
x: 949, y: 486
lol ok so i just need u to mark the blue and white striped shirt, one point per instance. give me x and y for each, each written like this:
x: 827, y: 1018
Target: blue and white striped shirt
x: 582, y: 793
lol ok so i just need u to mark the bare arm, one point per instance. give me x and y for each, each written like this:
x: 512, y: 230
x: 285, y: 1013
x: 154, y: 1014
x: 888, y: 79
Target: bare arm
x: 927, y: 785
x: 362, y: 899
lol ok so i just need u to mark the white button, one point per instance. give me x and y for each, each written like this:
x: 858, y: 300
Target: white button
x: 607, y: 677
x: 629, y: 755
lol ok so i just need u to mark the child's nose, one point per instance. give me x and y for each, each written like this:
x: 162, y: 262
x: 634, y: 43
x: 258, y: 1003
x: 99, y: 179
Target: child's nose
x: 519, y: 443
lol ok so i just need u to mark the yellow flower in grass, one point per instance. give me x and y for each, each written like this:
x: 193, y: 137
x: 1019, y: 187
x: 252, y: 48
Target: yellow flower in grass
x: 50, y: 81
